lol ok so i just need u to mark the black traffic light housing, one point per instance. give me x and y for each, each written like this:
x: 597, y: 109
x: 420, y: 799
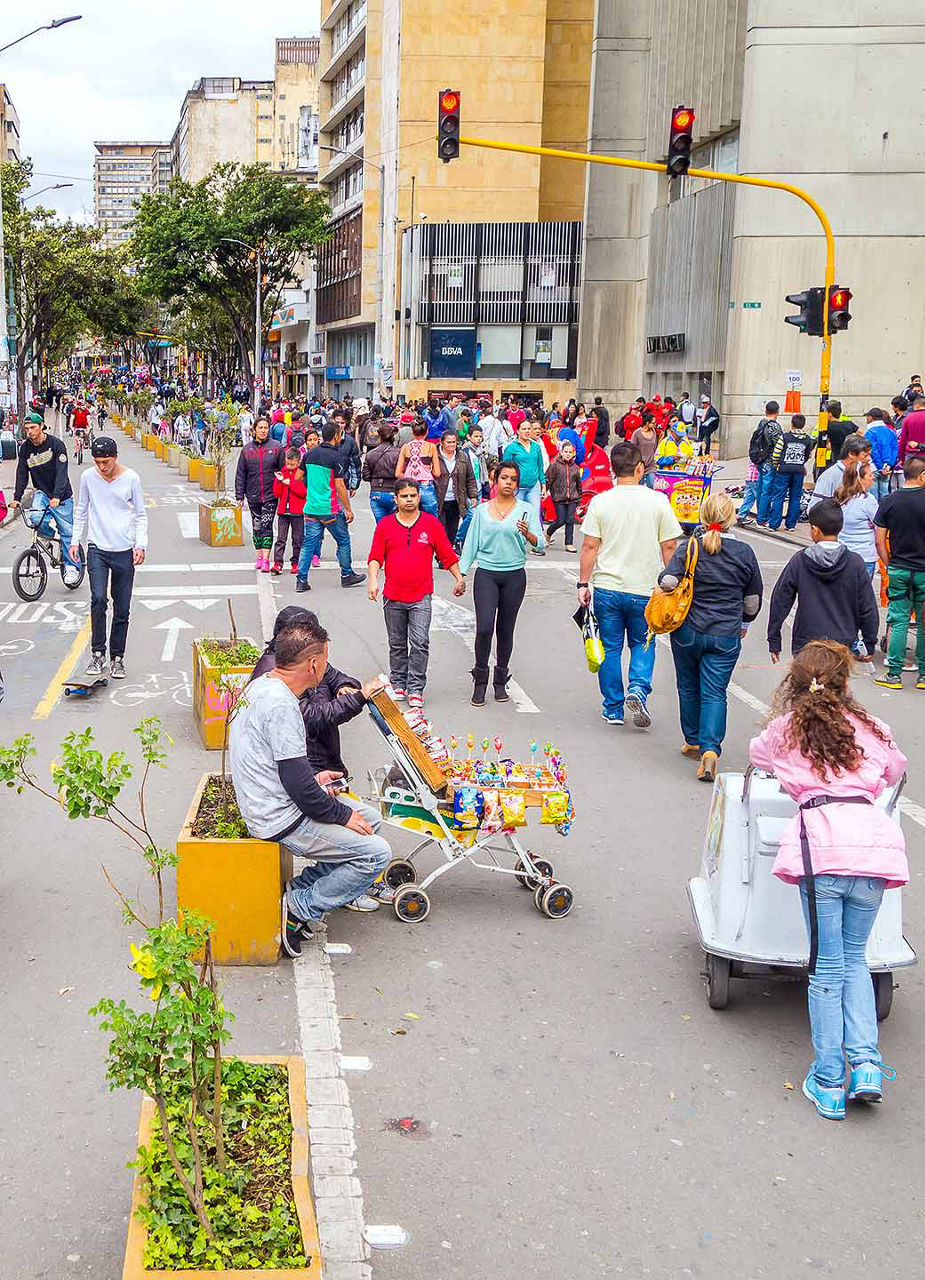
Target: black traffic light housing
x: 839, y: 315
x: 679, y: 144
x: 448, y: 125
x: 809, y: 320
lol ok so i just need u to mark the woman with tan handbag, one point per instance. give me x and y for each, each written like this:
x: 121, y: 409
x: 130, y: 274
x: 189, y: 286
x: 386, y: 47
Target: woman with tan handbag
x: 726, y: 597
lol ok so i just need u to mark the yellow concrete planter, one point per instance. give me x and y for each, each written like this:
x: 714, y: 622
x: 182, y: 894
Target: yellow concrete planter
x: 192, y: 473
x: 149, y: 441
x: 159, y: 448
x: 209, y: 702
x: 209, y: 477
x: 172, y: 455
x: 236, y: 883
x: 134, y: 1268
x: 183, y: 462
x: 220, y: 526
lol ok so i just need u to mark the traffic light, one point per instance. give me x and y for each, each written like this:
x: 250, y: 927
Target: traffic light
x: 839, y: 315
x: 448, y: 125
x: 809, y: 320
x: 679, y: 145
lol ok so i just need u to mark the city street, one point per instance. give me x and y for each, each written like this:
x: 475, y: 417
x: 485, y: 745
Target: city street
x: 578, y: 1109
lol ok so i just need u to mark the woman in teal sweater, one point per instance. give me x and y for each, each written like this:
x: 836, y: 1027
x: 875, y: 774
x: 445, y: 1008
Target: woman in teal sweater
x: 531, y: 463
x: 498, y: 537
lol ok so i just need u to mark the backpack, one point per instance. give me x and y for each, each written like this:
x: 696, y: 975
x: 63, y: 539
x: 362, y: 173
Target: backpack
x: 667, y: 610
x: 759, y: 450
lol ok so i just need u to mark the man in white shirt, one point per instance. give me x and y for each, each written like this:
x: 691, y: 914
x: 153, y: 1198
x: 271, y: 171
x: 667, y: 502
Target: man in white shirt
x: 111, y: 511
x: 630, y: 533
x: 498, y: 433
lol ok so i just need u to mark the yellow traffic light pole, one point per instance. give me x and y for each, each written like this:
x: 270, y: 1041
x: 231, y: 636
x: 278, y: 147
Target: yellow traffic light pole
x: 825, y: 371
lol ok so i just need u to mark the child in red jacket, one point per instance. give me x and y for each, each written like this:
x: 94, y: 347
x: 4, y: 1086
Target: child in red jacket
x: 289, y: 490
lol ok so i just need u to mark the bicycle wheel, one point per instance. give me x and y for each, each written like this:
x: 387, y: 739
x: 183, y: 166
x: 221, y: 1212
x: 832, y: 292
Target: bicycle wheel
x: 79, y: 451
x: 63, y: 566
x: 29, y: 574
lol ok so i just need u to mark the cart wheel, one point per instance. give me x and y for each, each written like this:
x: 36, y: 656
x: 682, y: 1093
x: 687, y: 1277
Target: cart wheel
x: 883, y: 994
x: 411, y: 904
x: 554, y: 900
x: 527, y: 881
x: 400, y: 871
x: 719, y: 970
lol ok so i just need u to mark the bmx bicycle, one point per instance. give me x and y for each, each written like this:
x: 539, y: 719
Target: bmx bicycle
x: 83, y: 438
x: 30, y: 572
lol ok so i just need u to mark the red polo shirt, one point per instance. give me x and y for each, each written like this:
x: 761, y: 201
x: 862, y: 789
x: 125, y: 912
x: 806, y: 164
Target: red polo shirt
x: 407, y: 554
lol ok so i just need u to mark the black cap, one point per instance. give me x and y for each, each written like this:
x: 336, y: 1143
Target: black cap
x: 104, y: 447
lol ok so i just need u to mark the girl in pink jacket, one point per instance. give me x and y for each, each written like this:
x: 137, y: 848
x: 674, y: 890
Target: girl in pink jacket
x: 835, y: 760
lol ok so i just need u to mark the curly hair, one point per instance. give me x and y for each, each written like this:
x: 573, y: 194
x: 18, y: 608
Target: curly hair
x: 816, y: 692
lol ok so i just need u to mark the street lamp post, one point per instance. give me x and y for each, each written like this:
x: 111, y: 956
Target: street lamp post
x: 58, y: 186
x: 380, y: 291
x: 258, y: 317
x: 48, y: 26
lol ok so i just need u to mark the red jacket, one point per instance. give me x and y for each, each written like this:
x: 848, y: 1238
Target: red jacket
x: 291, y: 496
x: 407, y: 554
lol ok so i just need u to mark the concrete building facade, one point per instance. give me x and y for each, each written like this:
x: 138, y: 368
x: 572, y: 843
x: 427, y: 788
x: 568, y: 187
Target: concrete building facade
x: 295, y: 106
x: 223, y: 119
x: 783, y: 91
x: 123, y: 172
x: 9, y: 127
x: 384, y: 63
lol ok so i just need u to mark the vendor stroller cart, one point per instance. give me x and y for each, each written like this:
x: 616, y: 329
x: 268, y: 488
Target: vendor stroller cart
x: 750, y: 924
x: 414, y: 797
x: 686, y: 486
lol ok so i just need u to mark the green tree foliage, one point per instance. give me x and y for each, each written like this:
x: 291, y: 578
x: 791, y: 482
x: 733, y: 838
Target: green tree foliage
x: 194, y: 244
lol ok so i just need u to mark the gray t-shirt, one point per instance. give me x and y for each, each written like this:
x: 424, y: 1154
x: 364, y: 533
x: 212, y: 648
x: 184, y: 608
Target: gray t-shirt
x: 266, y: 727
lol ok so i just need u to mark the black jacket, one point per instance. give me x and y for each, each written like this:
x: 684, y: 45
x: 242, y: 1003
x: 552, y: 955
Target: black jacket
x: 379, y: 467
x: 602, y: 434
x: 464, y: 486
x: 834, y: 597
x: 257, y: 468
x: 44, y: 466
x: 721, y: 584
x: 323, y: 712
x: 349, y: 452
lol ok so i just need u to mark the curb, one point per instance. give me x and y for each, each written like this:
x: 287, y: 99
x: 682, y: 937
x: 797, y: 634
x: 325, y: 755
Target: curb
x: 772, y: 536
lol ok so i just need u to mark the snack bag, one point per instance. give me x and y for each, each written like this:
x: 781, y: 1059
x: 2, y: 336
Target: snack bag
x: 513, y: 808
x: 468, y: 807
x: 493, y: 819
x: 555, y: 807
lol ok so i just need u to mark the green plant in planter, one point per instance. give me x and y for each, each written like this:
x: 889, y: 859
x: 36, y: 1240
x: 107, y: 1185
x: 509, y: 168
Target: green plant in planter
x: 143, y: 401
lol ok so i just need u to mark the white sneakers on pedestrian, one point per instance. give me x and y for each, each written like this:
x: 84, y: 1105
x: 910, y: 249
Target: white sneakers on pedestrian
x: 71, y: 576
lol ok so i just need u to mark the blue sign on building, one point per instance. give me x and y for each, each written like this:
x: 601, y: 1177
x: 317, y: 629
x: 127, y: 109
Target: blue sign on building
x: 452, y: 353
x: 339, y: 372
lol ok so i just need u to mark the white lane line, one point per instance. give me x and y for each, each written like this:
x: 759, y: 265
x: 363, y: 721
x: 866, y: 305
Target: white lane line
x: 173, y: 589
x: 450, y: 616
x: 173, y: 627
x: 266, y: 603
x: 189, y: 524
x: 213, y: 566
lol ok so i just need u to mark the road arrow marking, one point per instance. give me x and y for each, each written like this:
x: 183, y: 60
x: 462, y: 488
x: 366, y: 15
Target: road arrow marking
x: 173, y: 627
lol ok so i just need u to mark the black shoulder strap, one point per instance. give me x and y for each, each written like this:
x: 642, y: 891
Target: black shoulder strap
x: 810, y: 895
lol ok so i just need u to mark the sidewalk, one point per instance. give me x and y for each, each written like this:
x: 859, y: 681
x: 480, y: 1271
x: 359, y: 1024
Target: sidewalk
x: 733, y: 473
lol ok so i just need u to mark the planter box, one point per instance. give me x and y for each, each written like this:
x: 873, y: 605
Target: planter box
x: 209, y: 477
x: 137, y: 434
x: 192, y: 472
x: 134, y: 1268
x: 172, y: 455
x: 183, y: 461
x: 220, y: 526
x: 209, y: 709
x: 159, y: 448
x: 236, y: 883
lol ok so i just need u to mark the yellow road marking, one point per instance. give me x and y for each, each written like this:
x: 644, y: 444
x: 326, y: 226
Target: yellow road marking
x: 53, y: 692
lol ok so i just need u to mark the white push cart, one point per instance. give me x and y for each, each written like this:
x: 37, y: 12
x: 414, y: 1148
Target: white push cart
x: 750, y: 924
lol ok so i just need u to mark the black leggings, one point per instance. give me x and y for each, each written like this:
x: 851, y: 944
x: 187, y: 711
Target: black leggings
x: 565, y: 515
x: 498, y: 597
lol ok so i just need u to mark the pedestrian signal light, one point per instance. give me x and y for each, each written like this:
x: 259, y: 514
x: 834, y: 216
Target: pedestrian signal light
x: 448, y: 125
x: 839, y: 315
x: 679, y: 145
x: 809, y: 320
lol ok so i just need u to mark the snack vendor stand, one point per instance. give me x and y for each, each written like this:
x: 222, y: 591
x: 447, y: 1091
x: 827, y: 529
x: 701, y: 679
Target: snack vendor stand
x: 685, y: 486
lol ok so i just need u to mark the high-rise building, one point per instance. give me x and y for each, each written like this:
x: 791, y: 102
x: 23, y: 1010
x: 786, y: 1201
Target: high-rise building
x: 295, y: 106
x: 223, y: 118
x: 684, y: 283
x: 522, y: 79
x: 123, y: 172
x: 9, y: 127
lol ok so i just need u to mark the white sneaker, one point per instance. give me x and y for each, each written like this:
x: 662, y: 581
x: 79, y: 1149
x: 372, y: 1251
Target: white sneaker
x: 363, y: 903
x: 71, y: 576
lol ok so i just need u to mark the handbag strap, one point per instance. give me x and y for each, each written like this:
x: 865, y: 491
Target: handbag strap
x: 693, y: 552
x: 816, y: 803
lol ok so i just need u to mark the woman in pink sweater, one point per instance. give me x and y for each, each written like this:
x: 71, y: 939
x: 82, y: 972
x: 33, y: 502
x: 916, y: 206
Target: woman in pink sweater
x: 835, y: 760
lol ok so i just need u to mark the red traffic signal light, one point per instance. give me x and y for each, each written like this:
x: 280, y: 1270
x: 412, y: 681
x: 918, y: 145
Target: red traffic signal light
x: 679, y: 144
x: 839, y: 315
x: 448, y: 125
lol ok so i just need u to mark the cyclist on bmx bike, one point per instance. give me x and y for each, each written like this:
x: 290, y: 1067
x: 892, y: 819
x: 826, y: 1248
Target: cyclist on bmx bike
x: 43, y: 464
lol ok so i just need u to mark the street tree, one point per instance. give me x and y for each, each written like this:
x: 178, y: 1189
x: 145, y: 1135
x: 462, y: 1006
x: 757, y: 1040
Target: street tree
x: 196, y: 243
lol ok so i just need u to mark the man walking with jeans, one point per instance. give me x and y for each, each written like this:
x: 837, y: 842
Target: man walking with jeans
x: 899, y: 526
x: 406, y: 543
x: 630, y: 533
x: 111, y: 509
x: 327, y: 506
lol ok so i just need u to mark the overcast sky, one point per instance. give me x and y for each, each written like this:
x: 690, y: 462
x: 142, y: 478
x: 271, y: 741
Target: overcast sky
x: 121, y: 72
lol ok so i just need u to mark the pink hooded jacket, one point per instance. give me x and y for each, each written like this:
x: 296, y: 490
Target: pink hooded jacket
x: 844, y: 840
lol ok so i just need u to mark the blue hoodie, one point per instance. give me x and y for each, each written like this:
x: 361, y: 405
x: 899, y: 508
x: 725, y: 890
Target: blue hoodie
x: 884, y: 445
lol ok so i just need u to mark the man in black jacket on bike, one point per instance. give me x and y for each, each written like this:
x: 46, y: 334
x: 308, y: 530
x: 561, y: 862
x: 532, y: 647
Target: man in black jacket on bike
x: 43, y: 464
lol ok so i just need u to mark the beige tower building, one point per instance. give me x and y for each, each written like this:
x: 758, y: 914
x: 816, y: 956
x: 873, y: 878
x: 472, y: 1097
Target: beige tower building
x: 123, y: 172
x: 383, y: 63
x: 295, y: 106
x: 9, y: 127
x: 223, y: 118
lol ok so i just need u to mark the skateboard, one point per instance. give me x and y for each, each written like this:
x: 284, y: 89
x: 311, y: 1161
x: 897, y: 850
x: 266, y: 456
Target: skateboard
x: 83, y: 688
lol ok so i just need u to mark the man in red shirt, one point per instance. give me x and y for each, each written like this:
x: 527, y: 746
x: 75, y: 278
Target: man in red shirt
x: 405, y: 544
x: 515, y: 415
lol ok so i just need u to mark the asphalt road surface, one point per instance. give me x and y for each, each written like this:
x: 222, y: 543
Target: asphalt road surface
x: 581, y: 1111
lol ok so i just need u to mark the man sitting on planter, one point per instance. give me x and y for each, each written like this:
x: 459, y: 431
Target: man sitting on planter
x: 281, y: 797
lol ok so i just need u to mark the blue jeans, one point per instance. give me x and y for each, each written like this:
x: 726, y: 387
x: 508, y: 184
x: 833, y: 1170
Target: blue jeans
x: 531, y: 494
x: 311, y: 544
x: 766, y: 474
x: 348, y: 863
x: 649, y: 479
x: 381, y: 503
x: 842, y: 1013
x: 789, y: 487
x: 61, y: 516
x: 882, y: 485
x: 428, y: 497
x: 703, y: 665
x: 621, y: 616
x: 749, y: 498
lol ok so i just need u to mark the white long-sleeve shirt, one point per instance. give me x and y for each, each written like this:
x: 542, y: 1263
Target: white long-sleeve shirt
x: 111, y: 512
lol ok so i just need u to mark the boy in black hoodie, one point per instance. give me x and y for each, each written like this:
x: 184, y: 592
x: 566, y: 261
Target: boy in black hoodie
x: 833, y: 594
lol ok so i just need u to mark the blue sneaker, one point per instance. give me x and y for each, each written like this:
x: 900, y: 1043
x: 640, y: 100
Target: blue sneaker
x: 611, y: 718
x: 830, y: 1103
x: 866, y: 1081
